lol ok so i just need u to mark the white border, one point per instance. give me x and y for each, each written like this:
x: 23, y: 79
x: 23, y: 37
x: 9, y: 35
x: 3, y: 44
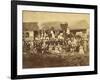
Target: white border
x: 21, y: 71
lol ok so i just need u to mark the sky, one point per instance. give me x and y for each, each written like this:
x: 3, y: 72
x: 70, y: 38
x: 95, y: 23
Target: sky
x: 71, y: 18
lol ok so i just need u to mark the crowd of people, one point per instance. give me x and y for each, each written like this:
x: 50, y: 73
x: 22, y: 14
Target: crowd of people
x: 50, y: 42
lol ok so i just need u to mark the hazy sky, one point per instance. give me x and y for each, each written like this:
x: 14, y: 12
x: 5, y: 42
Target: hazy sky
x: 71, y: 18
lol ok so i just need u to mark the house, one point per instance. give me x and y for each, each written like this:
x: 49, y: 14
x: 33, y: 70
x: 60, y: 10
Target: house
x: 30, y: 30
x: 81, y: 26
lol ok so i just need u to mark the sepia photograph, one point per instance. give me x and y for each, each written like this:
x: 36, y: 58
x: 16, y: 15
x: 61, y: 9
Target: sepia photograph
x: 54, y: 39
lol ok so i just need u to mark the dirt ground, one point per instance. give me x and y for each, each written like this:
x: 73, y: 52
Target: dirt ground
x: 55, y: 60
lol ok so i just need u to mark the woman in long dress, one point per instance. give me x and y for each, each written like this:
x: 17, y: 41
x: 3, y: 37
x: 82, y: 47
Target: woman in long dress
x: 81, y: 50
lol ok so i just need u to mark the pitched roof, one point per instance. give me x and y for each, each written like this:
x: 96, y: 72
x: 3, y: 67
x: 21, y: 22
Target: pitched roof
x: 30, y: 26
x: 49, y: 25
x: 80, y: 25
